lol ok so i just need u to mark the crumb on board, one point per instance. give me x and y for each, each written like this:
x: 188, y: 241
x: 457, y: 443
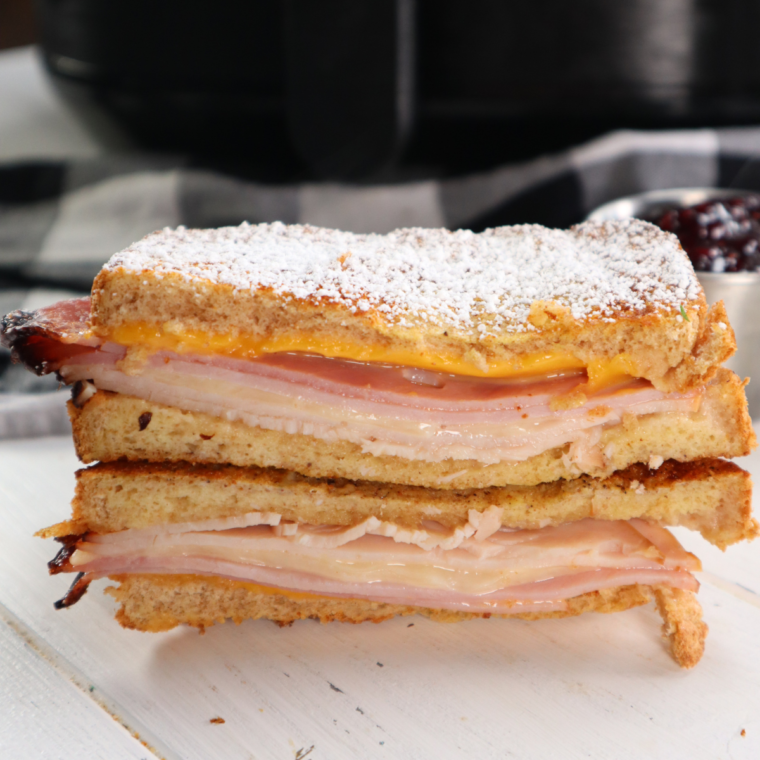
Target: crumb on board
x: 217, y: 720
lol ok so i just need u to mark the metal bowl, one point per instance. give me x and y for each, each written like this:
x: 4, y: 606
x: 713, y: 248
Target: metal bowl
x: 739, y: 291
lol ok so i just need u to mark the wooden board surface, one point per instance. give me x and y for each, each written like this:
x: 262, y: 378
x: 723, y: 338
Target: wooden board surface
x: 73, y: 683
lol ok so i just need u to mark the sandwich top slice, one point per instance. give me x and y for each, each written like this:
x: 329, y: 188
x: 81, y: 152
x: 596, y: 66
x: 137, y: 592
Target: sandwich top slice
x: 447, y: 359
x: 614, y: 300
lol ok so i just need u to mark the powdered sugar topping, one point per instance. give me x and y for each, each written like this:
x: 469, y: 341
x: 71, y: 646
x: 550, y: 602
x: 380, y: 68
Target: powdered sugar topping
x: 486, y: 281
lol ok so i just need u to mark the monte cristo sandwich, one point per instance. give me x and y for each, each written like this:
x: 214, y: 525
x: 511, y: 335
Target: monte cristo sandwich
x: 296, y: 422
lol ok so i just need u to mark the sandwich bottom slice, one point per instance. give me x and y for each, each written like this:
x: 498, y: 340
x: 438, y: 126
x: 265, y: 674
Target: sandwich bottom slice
x: 161, y: 602
x: 199, y: 544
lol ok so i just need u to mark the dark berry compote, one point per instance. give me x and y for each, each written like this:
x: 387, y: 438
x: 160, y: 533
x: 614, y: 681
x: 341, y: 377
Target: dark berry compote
x: 719, y: 235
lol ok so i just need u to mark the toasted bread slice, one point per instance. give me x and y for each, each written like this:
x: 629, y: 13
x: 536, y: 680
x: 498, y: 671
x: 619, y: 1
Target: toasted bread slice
x: 113, y: 426
x: 711, y: 496
x: 616, y: 297
x: 161, y: 602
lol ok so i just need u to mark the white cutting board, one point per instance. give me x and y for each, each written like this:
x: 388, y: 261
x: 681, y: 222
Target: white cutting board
x: 74, y: 684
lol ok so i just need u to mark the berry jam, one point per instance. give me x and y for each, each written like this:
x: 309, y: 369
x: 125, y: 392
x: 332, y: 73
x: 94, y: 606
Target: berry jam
x: 719, y: 236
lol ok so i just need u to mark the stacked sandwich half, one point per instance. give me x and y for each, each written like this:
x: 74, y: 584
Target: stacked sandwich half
x: 295, y: 422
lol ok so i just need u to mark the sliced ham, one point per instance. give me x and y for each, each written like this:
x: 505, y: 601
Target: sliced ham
x: 508, y: 567
x: 387, y: 410
x: 44, y: 339
x: 515, y: 429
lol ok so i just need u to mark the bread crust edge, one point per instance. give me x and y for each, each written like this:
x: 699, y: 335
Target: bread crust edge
x: 156, y: 603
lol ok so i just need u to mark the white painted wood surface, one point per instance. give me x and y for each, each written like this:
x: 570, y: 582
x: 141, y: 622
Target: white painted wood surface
x: 596, y: 686
x: 44, y: 713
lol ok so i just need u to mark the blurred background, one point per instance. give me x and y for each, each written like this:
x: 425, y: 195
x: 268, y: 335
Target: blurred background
x: 292, y: 90
x: 287, y: 90
x: 17, y: 24
x: 368, y: 116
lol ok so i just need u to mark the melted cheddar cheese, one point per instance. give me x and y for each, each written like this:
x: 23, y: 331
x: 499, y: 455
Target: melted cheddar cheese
x: 601, y: 372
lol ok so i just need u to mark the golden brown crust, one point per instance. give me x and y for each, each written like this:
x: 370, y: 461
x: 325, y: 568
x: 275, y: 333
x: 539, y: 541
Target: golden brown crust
x: 711, y: 496
x: 65, y: 528
x: 682, y: 624
x: 161, y: 602
x: 107, y: 428
x: 672, y: 352
x: 715, y: 344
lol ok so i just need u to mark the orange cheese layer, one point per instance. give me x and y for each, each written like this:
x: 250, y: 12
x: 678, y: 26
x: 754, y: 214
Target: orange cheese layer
x: 601, y: 372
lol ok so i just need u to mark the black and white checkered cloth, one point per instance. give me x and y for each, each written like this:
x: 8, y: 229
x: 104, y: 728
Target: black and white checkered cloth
x: 60, y: 221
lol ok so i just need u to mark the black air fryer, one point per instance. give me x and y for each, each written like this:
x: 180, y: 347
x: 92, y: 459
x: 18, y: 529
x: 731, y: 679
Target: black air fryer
x: 354, y: 89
